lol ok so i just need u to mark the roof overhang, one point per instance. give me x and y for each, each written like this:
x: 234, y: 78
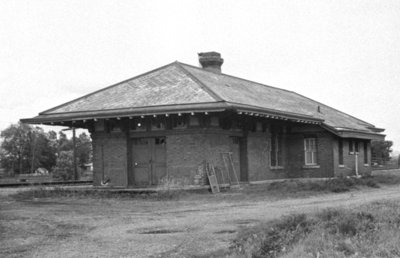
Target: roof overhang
x: 78, y: 119
x: 350, y: 133
x: 60, y: 118
x: 273, y: 114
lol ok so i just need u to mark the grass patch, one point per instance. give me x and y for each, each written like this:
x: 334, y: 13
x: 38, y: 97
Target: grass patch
x: 59, y: 192
x: 387, y: 179
x: 336, y: 185
x: 369, y: 231
x: 172, y: 189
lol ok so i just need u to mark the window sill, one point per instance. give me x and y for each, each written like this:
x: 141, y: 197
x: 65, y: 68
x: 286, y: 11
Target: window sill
x: 366, y: 165
x: 276, y: 168
x: 311, y: 166
x: 341, y: 166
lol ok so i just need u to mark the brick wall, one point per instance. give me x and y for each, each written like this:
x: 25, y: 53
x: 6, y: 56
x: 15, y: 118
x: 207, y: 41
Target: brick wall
x: 296, y: 159
x: 114, y: 162
x: 348, y: 167
x: 186, y: 152
x: 258, y: 151
x: 293, y: 156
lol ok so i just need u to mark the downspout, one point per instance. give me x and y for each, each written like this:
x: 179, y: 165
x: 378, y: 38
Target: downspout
x: 356, y: 160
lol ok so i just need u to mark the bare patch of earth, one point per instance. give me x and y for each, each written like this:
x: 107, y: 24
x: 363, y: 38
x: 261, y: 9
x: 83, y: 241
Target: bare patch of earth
x: 196, y: 226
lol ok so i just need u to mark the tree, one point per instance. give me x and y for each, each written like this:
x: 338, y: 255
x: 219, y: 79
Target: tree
x: 16, y: 148
x: 83, y: 149
x: 381, y: 151
x: 64, y: 169
x: 63, y: 143
x: 26, y: 148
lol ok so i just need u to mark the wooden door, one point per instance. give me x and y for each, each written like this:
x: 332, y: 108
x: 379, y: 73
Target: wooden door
x: 141, y: 156
x: 149, y: 161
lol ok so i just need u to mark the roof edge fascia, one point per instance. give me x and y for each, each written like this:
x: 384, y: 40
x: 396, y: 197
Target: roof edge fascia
x: 129, y: 112
x: 353, y: 133
x: 250, y: 108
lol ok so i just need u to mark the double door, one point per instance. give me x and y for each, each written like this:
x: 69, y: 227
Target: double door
x: 148, y: 161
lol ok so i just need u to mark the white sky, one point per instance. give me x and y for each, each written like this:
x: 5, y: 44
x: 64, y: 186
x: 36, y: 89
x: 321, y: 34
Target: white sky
x: 343, y: 53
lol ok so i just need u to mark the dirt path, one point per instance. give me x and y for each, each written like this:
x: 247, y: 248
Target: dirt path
x: 136, y: 228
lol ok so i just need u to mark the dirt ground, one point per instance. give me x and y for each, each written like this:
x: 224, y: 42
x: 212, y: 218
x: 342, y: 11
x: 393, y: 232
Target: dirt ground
x: 195, y: 226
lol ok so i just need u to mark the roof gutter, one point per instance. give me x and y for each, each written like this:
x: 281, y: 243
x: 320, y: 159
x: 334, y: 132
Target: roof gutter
x: 354, y: 133
x: 274, y: 114
x: 51, y: 118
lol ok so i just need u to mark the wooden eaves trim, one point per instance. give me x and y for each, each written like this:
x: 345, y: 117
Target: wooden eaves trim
x: 354, y: 133
x: 129, y: 112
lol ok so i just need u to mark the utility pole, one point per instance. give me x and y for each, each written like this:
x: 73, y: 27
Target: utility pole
x: 74, y: 151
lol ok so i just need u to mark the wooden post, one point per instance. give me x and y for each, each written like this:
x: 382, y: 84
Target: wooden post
x: 74, y: 151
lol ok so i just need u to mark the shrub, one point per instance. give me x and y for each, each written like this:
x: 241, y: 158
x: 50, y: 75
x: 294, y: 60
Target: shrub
x: 338, y: 185
x: 64, y: 169
x: 372, y: 183
x: 276, y: 237
x: 368, y: 231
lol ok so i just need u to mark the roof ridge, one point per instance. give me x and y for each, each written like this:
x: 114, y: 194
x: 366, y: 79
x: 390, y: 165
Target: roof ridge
x: 106, y: 88
x: 210, y: 92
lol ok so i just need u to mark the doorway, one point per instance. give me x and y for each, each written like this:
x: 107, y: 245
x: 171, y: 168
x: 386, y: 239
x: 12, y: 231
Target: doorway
x: 148, y: 161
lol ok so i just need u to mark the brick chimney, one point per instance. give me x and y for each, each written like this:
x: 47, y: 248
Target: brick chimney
x: 211, y: 61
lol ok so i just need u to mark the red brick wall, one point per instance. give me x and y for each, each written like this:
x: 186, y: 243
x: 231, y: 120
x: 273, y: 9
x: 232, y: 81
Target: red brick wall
x: 114, y: 147
x: 293, y: 156
x: 186, y: 152
x: 348, y: 167
x: 258, y: 151
x: 296, y: 160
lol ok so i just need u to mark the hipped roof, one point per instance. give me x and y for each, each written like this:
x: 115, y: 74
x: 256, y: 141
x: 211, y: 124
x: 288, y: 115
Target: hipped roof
x: 179, y: 87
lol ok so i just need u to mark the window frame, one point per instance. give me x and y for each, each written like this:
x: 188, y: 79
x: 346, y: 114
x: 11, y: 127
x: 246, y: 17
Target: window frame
x: 311, y: 147
x: 340, y: 152
x: 353, y: 146
x: 276, y: 153
x: 366, y: 159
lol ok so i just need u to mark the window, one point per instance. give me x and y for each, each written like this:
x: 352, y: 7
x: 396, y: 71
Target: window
x: 99, y: 126
x: 341, y: 152
x: 353, y: 146
x: 365, y: 152
x: 194, y: 121
x: 310, y: 151
x: 276, y: 150
x: 180, y: 122
x: 138, y: 124
x: 112, y: 125
x: 158, y: 123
